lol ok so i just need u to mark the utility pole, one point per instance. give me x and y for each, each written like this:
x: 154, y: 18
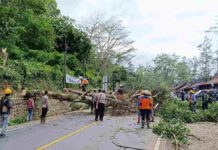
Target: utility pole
x: 65, y: 61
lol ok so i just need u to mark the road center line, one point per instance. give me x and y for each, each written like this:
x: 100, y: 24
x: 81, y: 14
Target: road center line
x: 66, y: 136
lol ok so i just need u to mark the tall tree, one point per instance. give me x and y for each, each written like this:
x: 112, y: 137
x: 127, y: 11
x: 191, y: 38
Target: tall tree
x: 194, y: 68
x: 215, y: 60
x: 165, y: 68
x: 110, y: 38
x: 205, y: 60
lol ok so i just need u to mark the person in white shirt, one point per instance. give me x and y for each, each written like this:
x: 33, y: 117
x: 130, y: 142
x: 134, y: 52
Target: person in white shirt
x: 44, y: 107
x: 100, y: 105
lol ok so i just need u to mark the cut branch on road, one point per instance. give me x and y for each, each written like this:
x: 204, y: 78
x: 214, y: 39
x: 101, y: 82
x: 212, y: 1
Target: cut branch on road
x: 118, y: 145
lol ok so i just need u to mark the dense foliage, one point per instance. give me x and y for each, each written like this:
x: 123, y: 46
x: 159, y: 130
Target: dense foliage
x: 34, y: 33
x: 36, y: 36
x: 180, y: 110
x: 174, y: 129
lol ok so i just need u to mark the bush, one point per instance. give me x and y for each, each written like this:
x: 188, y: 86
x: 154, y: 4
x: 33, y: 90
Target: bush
x: 180, y: 110
x: 176, y: 110
x: 174, y: 128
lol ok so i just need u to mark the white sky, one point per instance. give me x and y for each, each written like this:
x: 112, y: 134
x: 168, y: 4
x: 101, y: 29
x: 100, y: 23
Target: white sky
x: 156, y: 26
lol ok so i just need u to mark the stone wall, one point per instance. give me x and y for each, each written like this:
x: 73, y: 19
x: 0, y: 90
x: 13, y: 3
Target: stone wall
x: 55, y: 107
x: 19, y: 108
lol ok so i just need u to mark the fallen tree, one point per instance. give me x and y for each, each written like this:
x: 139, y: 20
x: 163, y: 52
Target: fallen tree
x: 116, y: 106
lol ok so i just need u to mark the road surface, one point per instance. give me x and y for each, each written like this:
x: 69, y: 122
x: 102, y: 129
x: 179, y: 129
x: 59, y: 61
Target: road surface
x: 80, y: 132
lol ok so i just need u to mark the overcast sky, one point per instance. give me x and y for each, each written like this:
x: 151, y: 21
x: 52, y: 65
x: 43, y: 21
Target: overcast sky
x: 156, y: 26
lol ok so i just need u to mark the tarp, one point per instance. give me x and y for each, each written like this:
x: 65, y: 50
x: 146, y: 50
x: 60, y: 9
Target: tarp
x: 72, y: 80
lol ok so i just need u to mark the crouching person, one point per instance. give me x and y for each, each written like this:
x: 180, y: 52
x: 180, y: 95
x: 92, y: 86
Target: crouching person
x: 5, y: 107
x: 145, y: 108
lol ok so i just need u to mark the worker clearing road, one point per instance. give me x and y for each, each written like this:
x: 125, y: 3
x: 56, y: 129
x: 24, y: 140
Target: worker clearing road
x: 145, y: 107
x: 83, y: 84
x: 120, y: 93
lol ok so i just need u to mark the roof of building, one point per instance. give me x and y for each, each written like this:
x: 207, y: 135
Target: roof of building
x: 195, y: 85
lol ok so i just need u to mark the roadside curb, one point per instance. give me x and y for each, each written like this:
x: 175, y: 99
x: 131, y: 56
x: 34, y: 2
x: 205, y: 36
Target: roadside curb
x: 157, y: 145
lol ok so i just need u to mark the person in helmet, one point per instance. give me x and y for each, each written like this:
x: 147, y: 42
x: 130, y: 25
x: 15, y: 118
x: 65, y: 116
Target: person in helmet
x: 5, y: 107
x: 145, y: 107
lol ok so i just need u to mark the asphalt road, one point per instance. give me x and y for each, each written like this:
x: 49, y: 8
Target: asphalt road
x: 80, y: 132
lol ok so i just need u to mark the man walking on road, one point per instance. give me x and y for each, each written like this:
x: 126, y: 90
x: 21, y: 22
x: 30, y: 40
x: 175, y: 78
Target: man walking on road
x: 5, y: 107
x: 44, y: 107
x: 145, y: 107
x: 100, y: 105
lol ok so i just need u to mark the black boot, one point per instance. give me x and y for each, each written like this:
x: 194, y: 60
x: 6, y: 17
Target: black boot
x: 148, y: 126
x: 143, y: 123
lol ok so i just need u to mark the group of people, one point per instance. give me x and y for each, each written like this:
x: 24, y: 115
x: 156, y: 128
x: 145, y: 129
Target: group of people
x: 6, y: 106
x: 98, y: 103
x: 193, y: 96
x: 98, y: 99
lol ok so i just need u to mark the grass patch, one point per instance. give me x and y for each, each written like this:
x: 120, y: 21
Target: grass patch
x: 18, y: 120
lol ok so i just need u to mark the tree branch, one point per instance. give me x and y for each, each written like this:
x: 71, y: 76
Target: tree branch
x: 127, y: 146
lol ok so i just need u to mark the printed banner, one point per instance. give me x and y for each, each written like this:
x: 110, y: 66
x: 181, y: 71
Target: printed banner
x: 72, y: 80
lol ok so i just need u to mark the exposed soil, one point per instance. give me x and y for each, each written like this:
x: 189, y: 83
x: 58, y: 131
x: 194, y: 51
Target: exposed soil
x: 205, y: 136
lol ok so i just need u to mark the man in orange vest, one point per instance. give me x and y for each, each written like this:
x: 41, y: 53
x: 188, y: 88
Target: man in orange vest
x: 145, y: 107
x: 83, y: 84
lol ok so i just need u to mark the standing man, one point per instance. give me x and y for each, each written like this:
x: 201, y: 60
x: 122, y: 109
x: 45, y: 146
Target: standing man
x: 44, y: 107
x: 30, y: 107
x: 193, y: 100
x: 96, y: 106
x: 137, y: 94
x: 94, y: 99
x: 5, y: 107
x: 205, y: 99
x: 100, y: 105
x: 152, y: 108
x: 145, y: 108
